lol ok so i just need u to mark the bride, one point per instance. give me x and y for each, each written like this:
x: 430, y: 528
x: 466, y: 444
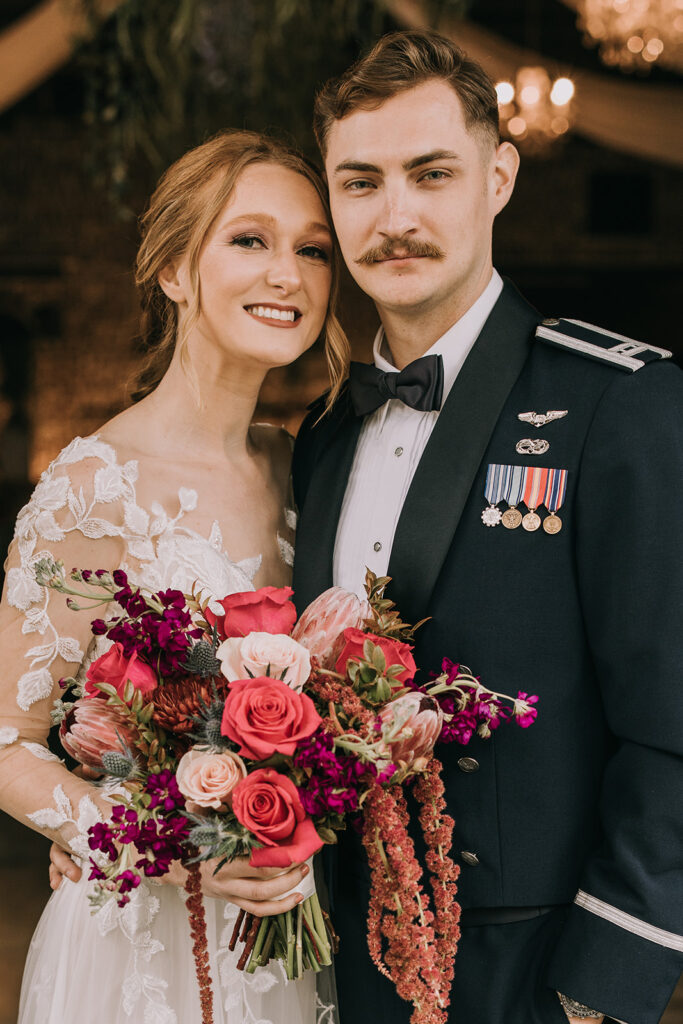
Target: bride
x: 237, y: 272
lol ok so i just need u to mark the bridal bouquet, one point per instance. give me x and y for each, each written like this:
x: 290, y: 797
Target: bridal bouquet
x: 234, y: 730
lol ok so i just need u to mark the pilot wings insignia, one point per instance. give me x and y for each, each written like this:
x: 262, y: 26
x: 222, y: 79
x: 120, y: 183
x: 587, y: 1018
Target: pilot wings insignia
x: 539, y: 419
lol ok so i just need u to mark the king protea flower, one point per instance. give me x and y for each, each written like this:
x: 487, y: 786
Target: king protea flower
x: 420, y: 719
x: 321, y: 627
x: 93, y: 728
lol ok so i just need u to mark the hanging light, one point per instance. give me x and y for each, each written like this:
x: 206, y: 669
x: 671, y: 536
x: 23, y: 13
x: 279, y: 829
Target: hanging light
x: 634, y: 34
x: 535, y: 111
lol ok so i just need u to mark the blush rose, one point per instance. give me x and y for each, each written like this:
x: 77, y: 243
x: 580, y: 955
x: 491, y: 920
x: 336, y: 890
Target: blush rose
x: 207, y: 780
x: 394, y: 651
x: 264, y: 716
x: 268, y: 804
x: 267, y: 610
x: 260, y: 654
x: 116, y: 669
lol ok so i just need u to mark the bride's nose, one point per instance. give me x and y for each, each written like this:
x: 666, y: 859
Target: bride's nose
x: 283, y: 272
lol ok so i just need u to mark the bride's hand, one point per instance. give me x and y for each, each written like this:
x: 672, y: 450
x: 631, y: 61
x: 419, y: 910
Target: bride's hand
x: 254, y: 890
x: 62, y: 865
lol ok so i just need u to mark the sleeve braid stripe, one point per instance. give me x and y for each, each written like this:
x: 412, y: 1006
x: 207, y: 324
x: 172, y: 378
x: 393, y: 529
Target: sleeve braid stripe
x: 630, y: 924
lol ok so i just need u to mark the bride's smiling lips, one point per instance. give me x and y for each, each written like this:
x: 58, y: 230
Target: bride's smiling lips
x: 274, y: 315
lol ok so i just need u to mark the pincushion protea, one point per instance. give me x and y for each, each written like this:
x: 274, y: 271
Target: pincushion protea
x: 321, y: 627
x: 177, y: 704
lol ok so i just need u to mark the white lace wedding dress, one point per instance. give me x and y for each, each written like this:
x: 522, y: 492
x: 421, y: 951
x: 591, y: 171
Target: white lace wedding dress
x: 134, y: 964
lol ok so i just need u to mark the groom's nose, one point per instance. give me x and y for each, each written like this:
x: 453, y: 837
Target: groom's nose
x: 398, y: 215
x: 284, y: 272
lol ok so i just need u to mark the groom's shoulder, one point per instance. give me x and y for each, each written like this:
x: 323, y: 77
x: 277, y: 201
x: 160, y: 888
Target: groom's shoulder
x: 588, y: 341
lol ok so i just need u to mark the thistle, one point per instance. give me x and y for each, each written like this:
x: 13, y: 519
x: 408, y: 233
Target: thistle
x: 202, y: 661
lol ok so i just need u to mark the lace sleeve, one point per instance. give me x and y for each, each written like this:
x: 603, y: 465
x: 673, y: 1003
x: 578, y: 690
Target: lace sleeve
x: 76, y: 515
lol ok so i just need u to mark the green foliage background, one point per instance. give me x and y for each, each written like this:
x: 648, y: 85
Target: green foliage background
x: 163, y: 75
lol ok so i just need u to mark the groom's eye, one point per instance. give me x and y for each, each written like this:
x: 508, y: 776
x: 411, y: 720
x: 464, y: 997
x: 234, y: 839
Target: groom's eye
x: 434, y: 175
x: 358, y: 185
x: 248, y: 241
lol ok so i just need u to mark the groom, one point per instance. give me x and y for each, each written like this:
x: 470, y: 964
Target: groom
x: 569, y: 836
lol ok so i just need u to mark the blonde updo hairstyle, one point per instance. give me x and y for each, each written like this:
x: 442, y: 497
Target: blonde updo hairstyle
x: 188, y: 198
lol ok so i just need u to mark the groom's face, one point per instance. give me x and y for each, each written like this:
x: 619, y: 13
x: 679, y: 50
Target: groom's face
x: 414, y: 192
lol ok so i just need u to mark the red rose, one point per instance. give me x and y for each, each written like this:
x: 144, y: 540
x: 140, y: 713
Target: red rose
x: 265, y: 715
x: 395, y: 652
x: 268, y: 804
x: 267, y: 610
x: 116, y: 669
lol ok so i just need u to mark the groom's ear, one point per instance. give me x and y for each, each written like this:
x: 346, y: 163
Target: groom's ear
x: 171, y: 283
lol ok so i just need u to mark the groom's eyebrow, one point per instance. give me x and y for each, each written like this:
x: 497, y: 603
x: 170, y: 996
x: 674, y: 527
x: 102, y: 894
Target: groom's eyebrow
x: 408, y: 165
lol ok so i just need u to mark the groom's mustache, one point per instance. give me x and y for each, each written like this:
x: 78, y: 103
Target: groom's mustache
x: 399, y: 248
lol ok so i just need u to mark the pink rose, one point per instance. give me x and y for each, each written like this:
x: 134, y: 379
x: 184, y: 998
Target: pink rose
x: 395, y: 652
x: 264, y: 716
x: 267, y: 610
x: 116, y: 669
x: 268, y: 804
x: 260, y: 654
x: 93, y: 728
x: 207, y: 780
x: 321, y: 627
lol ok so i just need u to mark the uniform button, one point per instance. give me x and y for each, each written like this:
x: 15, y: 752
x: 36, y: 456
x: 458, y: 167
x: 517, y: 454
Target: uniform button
x: 469, y: 857
x: 468, y: 764
x: 550, y: 321
x: 398, y: 451
x: 377, y: 545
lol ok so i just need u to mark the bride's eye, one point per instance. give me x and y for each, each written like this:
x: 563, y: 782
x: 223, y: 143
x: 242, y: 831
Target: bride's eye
x: 248, y: 242
x: 315, y: 252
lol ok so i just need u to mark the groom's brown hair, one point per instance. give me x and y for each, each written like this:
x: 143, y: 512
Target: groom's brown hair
x: 400, y: 61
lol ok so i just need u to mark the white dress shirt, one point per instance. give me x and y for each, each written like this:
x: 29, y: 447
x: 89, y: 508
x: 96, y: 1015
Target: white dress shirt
x: 390, y: 446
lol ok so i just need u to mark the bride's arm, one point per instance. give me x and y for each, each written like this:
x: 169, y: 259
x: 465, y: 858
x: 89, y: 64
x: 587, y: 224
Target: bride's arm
x: 69, y: 518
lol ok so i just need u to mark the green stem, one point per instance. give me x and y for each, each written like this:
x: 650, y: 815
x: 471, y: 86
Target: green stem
x: 299, y: 942
x: 290, y: 945
x: 258, y: 945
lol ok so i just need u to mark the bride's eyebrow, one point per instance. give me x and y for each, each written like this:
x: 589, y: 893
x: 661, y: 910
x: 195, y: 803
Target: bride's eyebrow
x: 271, y: 222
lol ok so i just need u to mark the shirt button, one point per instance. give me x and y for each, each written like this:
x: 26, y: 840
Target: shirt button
x: 469, y: 858
x: 468, y: 764
x: 398, y: 451
x: 377, y: 545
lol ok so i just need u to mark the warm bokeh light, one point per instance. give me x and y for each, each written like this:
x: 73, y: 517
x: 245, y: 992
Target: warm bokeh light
x: 517, y: 126
x: 633, y: 34
x: 505, y: 91
x: 562, y: 91
x: 530, y: 95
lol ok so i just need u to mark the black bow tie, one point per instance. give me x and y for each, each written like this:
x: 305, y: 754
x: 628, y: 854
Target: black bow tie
x: 419, y: 385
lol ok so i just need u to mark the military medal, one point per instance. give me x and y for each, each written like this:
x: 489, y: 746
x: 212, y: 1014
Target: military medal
x: 512, y: 517
x: 556, y: 489
x: 535, y: 485
x: 494, y: 491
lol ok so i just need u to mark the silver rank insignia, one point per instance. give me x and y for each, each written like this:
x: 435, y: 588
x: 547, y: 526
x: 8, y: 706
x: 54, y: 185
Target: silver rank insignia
x: 539, y: 419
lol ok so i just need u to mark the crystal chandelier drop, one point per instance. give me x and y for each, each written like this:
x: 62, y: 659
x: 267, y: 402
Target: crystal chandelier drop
x: 634, y: 34
x: 535, y: 111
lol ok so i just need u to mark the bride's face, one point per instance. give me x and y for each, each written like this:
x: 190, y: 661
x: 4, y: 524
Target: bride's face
x: 264, y: 270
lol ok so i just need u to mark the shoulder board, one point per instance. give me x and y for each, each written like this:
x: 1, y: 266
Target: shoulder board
x: 597, y: 343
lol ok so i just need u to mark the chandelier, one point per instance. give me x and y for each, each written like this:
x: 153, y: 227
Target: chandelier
x: 535, y: 111
x: 634, y: 34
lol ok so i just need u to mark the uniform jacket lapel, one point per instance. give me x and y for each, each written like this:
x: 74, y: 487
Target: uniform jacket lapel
x: 319, y: 516
x: 450, y: 462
